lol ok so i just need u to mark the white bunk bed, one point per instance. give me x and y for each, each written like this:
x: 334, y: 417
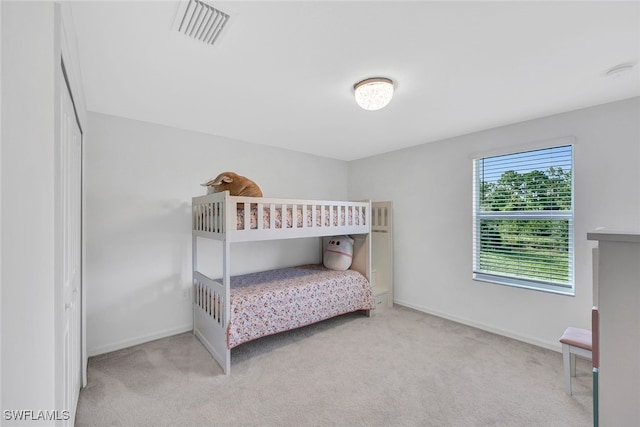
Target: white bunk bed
x: 231, y: 219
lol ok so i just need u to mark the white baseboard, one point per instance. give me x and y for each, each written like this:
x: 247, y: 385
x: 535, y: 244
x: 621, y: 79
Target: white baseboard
x: 138, y: 340
x: 555, y: 346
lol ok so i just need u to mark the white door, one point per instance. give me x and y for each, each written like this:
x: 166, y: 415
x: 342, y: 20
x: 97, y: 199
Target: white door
x: 70, y: 223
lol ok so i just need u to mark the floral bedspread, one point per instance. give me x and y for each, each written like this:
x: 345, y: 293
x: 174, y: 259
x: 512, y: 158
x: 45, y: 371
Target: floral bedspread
x: 273, y: 301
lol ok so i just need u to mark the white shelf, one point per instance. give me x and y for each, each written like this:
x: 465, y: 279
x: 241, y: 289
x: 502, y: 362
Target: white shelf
x: 617, y: 294
x: 612, y: 235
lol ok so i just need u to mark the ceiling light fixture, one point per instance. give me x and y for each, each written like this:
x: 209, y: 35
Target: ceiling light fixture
x: 374, y: 93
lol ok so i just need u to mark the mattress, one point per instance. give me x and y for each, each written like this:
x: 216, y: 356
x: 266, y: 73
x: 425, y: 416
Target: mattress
x: 274, y: 301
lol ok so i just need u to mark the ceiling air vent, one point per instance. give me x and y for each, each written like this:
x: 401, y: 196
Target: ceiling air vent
x: 201, y: 21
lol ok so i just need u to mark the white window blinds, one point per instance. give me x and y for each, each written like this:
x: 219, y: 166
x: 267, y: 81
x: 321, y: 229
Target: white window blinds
x: 523, y: 219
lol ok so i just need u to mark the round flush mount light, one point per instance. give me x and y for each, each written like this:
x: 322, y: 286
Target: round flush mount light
x: 373, y: 93
x: 620, y: 71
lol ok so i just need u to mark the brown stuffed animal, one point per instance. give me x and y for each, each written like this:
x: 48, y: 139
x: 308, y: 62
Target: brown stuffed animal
x: 236, y: 185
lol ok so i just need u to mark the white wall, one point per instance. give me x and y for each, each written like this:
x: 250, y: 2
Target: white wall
x: 431, y: 187
x: 1, y: 402
x: 28, y: 85
x: 140, y: 178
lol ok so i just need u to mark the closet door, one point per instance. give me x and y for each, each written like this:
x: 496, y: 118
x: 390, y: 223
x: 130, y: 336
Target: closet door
x: 69, y: 224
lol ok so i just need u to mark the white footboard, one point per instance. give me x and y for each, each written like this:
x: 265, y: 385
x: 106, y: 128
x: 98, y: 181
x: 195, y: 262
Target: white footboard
x: 209, y: 319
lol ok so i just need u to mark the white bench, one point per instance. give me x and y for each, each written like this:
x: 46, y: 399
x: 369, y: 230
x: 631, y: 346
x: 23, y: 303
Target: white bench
x: 575, y: 342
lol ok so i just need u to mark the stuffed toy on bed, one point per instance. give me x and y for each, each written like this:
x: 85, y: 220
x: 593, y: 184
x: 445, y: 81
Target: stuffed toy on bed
x: 339, y: 253
x: 237, y: 185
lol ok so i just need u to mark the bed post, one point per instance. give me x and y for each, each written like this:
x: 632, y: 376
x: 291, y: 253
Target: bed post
x: 362, y: 257
x: 362, y: 248
x: 230, y: 217
x: 362, y: 251
x: 194, y: 268
x: 194, y: 265
x: 226, y: 282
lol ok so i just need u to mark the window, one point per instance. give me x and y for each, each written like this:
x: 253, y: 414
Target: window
x: 523, y: 219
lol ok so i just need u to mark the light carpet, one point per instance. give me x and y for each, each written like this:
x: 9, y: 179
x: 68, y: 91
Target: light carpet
x: 399, y: 367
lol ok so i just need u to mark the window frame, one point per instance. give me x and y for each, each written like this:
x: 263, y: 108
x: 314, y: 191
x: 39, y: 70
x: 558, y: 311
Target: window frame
x: 562, y: 215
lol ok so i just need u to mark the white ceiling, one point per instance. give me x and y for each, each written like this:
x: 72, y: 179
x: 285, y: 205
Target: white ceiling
x: 282, y: 73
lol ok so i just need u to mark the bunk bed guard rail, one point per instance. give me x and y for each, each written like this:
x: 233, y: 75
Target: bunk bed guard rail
x: 236, y: 219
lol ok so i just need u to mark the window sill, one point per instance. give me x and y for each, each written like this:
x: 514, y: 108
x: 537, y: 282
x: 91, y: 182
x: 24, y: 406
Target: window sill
x: 524, y: 284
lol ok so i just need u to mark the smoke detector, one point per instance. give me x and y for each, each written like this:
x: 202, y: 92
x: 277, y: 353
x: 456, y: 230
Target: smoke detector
x: 200, y: 21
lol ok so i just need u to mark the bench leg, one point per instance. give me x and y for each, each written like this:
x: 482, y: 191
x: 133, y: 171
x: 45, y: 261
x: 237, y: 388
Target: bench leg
x: 566, y: 361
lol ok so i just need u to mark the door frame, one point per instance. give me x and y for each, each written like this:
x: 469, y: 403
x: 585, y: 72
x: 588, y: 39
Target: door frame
x: 63, y: 88
x: 69, y: 55
x: 66, y: 74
